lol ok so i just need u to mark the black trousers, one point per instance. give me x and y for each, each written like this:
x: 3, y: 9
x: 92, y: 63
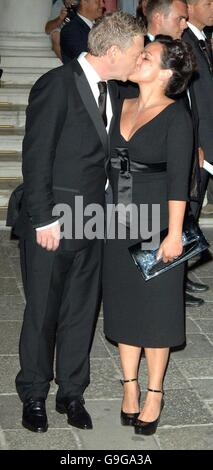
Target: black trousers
x: 62, y: 300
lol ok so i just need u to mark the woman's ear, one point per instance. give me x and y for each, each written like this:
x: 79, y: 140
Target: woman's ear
x: 165, y: 75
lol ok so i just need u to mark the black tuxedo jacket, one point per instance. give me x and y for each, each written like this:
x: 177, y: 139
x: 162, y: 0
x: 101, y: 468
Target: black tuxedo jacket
x: 73, y: 39
x: 65, y: 148
x: 201, y: 91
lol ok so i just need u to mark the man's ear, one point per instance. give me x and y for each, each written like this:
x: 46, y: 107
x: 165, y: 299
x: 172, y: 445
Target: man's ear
x: 157, y: 18
x: 112, y: 53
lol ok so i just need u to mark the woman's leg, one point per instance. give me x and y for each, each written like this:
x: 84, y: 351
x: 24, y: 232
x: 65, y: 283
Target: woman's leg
x: 157, y: 359
x: 130, y: 357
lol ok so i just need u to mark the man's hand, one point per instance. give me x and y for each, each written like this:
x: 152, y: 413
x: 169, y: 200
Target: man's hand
x: 201, y: 157
x: 49, y: 238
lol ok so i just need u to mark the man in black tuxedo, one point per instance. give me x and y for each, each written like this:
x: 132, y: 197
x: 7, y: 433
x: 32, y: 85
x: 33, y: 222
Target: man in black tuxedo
x: 201, y: 89
x: 64, y: 155
x: 74, y: 35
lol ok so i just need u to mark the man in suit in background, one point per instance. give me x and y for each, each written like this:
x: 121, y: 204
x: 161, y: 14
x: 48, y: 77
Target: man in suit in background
x: 166, y: 17
x: 74, y: 35
x: 64, y: 155
x: 201, y: 15
x: 201, y: 94
x: 53, y: 26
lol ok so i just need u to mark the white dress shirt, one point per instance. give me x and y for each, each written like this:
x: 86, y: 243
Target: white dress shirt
x: 199, y: 34
x: 93, y: 79
x: 150, y: 36
x: 86, y: 20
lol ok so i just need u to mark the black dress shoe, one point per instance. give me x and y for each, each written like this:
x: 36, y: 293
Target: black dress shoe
x: 76, y: 413
x: 191, y: 301
x: 147, y: 428
x: 34, y: 415
x: 192, y: 287
x: 128, y: 419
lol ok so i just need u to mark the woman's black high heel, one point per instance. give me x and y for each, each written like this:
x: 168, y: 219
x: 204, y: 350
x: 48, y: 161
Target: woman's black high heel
x: 148, y: 428
x: 129, y: 419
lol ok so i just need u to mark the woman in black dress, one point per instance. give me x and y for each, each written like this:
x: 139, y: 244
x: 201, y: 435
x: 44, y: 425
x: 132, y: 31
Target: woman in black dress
x: 153, y: 129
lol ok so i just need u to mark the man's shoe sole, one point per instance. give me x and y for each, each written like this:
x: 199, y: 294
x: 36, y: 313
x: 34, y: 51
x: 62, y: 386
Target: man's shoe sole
x: 197, y: 291
x: 33, y: 428
x: 195, y: 304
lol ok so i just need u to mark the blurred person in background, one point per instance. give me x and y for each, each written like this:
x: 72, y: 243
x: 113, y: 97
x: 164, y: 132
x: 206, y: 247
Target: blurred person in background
x: 74, y: 35
x: 141, y: 11
x: 53, y: 27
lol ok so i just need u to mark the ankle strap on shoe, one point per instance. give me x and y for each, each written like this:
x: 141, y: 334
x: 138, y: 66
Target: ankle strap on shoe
x: 128, y: 380
x: 153, y: 390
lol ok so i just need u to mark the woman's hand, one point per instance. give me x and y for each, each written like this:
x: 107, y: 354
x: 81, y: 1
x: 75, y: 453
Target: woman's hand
x: 170, y: 248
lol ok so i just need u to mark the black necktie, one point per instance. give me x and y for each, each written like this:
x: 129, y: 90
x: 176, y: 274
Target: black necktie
x: 102, y: 100
x: 206, y: 50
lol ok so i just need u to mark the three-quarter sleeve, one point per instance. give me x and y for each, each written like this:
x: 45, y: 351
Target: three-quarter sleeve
x: 179, y: 154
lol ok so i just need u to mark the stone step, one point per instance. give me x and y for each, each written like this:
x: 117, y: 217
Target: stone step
x: 10, y: 156
x: 10, y: 169
x: 14, y: 93
x: 11, y: 139
x: 10, y: 182
x: 12, y: 107
x: 12, y: 115
x: 28, y: 52
x: 4, y: 198
x: 26, y: 70
x: 21, y: 76
x: 31, y: 63
x: 25, y: 44
x: 206, y: 221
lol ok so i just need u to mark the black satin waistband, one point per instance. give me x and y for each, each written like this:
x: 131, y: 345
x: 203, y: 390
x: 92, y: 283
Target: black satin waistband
x: 126, y: 165
x: 126, y: 169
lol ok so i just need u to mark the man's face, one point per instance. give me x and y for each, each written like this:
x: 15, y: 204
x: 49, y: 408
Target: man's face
x: 174, y: 22
x: 129, y: 59
x: 202, y: 13
x: 94, y: 8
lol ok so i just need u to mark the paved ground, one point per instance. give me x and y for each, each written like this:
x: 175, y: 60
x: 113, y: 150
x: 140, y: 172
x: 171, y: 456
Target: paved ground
x: 187, y: 419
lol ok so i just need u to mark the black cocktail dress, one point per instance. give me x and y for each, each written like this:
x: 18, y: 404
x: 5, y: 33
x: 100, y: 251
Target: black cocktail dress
x: 149, y: 314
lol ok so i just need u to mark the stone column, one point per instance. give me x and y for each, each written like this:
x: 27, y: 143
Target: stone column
x: 27, y: 16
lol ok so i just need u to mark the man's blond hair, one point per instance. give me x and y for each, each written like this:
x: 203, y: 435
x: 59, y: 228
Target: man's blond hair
x: 113, y: 29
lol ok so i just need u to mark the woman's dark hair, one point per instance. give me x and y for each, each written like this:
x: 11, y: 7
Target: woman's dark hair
x: 140, y: 14
x: 178, y: 56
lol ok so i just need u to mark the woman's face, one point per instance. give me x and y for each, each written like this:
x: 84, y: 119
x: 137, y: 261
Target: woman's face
x: 150, y: 67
